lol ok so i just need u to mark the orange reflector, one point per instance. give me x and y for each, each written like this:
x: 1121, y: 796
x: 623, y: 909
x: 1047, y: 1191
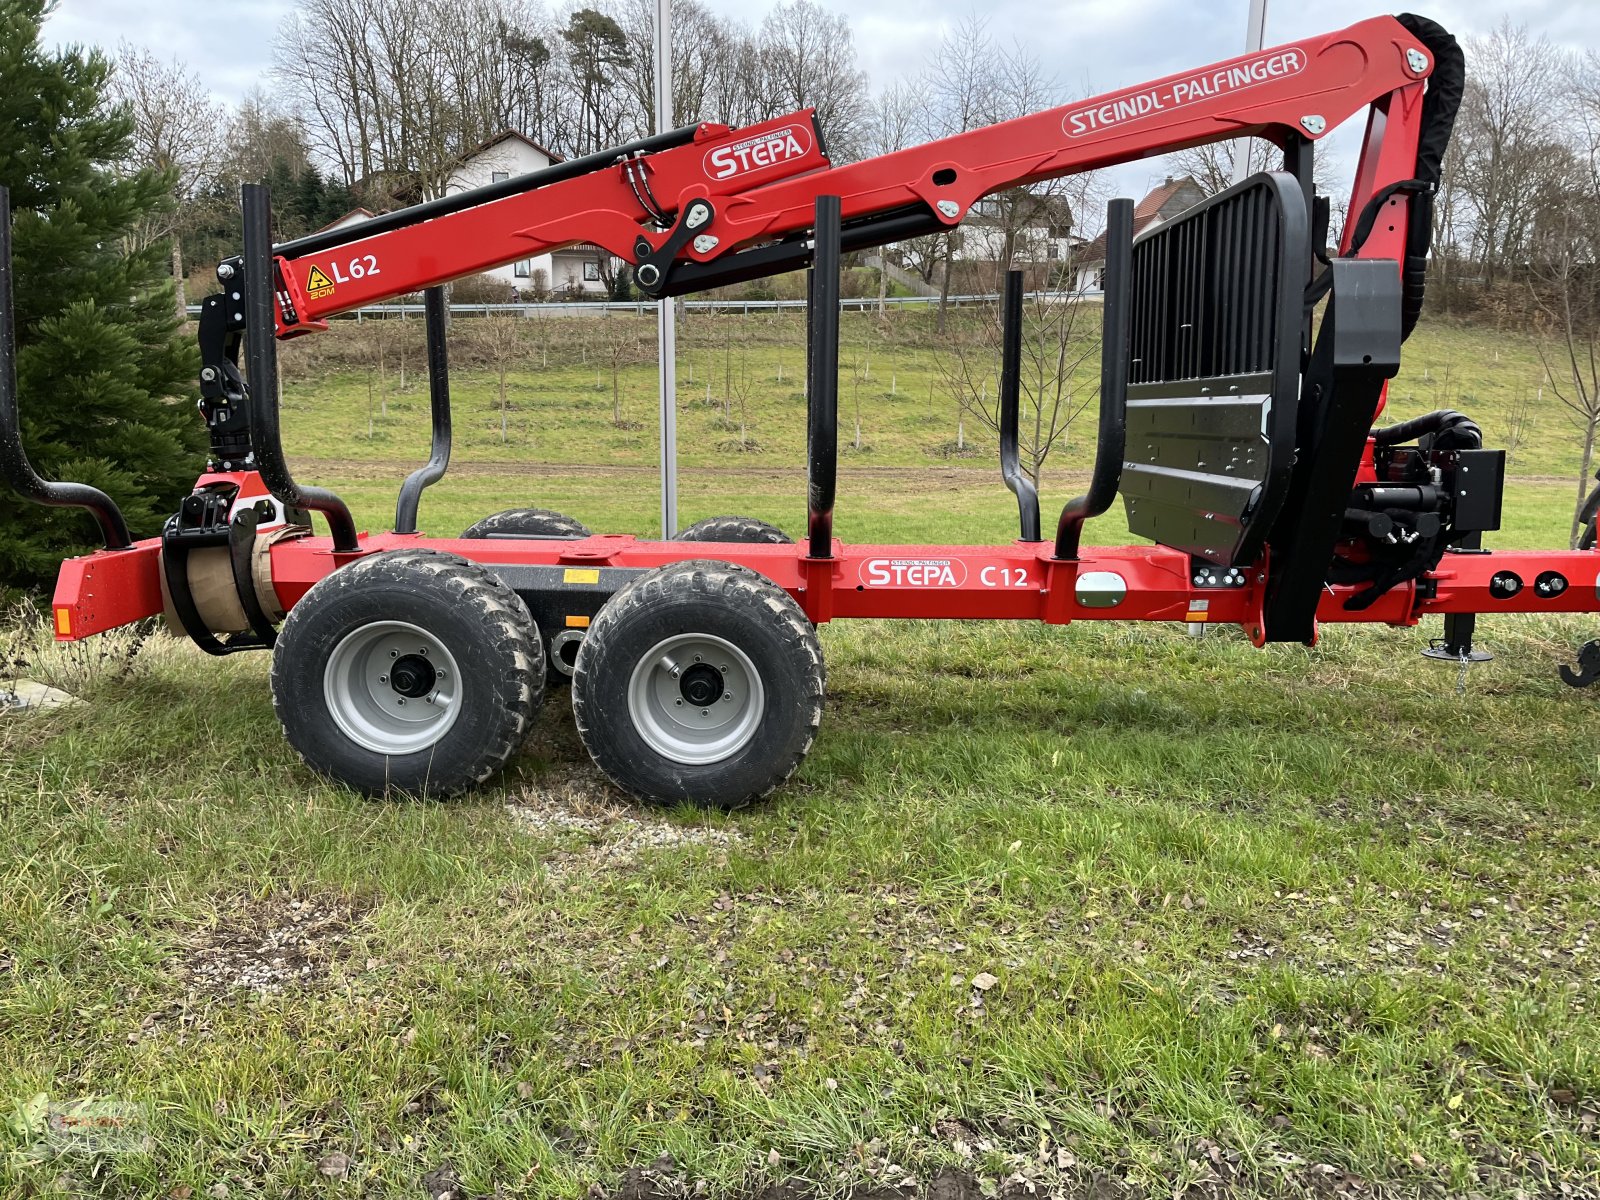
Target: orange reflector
x: 577, y: 622
x: 63, y: 622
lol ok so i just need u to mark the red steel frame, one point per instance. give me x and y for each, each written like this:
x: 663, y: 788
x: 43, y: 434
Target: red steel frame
x: 1299, y: 90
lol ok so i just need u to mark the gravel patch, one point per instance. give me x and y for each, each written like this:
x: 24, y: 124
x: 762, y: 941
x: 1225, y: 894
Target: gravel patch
x: 616, y: 835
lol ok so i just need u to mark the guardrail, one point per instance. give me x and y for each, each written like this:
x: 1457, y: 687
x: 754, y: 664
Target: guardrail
x: 640, y: 308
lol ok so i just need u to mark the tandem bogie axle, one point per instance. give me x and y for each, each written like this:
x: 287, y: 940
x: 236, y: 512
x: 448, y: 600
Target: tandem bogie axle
x: 1243, y: 448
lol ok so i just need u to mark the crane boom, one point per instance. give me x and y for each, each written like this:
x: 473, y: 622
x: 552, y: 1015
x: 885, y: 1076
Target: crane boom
x: 712, y: 204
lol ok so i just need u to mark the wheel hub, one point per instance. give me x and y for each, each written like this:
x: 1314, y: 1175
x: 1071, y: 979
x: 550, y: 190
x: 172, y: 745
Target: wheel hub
x: 701, y: 684
x: 413, y: 676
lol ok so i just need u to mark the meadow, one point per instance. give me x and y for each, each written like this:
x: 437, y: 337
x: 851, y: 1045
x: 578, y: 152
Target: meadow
x: 1100, y: 911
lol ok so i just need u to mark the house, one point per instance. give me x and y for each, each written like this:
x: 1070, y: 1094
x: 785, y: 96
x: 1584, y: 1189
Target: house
x: 354, y: 217
x: 578, y: 270
x: 1012, y: 229
x: 1039, y: 229
x: 583, y: 270
x: 1174, y: 196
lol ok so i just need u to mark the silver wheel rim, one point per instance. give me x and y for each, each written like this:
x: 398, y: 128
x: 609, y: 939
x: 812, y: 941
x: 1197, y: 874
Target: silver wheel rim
x: 379, y: 696
x: 670, y: 704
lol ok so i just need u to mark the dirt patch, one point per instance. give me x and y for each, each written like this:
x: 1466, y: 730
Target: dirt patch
x: 616, y: 835
x: 266, y: 946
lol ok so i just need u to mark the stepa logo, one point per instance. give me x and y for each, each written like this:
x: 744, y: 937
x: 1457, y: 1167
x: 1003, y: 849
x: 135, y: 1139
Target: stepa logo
x: 763, y: 150
x: 914, y: 572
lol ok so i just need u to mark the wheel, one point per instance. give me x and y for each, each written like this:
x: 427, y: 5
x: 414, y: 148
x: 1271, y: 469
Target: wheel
x: 413, y: 671
x: 528, y: 522
x: 540, y: 522
x: 699, y: 681
x: 733, y: 529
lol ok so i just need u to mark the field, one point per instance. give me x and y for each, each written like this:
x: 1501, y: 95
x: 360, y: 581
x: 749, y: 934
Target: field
x: 1093, y: 911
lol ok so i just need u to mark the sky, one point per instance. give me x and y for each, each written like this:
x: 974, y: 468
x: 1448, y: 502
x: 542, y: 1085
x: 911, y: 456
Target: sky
x: 1092, y: 45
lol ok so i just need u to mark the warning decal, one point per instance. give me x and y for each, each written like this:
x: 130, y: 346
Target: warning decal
x: 318, y: 285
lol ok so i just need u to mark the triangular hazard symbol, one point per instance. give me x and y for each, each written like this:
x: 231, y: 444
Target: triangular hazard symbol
x: 317, y: 281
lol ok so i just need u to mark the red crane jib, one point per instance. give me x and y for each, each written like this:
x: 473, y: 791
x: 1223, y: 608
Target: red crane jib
x: 763, y: 180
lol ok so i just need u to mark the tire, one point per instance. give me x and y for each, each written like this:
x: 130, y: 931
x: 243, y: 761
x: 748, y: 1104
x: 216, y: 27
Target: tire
x: 734, y: 529
x: 636, y: 717
x: 536, y: 523
x: 421, y: 610
x: 528, y: 522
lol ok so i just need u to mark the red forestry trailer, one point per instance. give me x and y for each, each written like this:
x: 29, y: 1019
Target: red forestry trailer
x: 1244, y: 448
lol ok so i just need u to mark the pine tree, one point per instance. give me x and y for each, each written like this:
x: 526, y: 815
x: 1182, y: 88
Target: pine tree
x: 105, y: 377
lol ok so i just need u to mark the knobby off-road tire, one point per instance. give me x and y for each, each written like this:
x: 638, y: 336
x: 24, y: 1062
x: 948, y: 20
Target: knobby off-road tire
x: 528, y: 522
x: 734, y: 529
x: 699, y: 681
x: 538, y: 522
x: 413, y: 672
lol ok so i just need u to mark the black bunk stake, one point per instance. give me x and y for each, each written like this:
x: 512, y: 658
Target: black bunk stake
x: 1109, y: 449
x: 14, y: 466
x: 1010, y: 398
x: 261, y: 346
x: 822, y: 381
x: 405, y: 510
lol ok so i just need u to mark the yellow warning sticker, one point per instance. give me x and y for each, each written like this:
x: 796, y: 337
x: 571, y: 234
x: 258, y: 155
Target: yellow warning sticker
x: 318, y: 284
x: 63, y: 622
x: 581, y: 575
x: 574, y: 622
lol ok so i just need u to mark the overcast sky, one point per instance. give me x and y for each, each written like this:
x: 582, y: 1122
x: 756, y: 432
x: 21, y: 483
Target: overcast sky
x: 1092, y: 45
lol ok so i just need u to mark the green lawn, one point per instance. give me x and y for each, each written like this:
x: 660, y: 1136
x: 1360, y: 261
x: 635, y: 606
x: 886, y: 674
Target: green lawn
x: 1099, y: 910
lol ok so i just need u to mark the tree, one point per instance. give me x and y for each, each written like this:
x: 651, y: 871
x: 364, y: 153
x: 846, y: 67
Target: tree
x: 808, y: 60
x: 1566, y: 285
x: 1504, y: 139
x: 1059, y: 367
x: 177, y: 130
x: 597, y: 53
x: 104, y: 377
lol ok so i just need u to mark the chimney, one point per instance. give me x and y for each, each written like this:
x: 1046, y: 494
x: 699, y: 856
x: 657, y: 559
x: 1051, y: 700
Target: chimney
x: 1169, y: 180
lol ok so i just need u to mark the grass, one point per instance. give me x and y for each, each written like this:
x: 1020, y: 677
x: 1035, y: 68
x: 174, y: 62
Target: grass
x: 892, y: 372
x: 1094, y: 910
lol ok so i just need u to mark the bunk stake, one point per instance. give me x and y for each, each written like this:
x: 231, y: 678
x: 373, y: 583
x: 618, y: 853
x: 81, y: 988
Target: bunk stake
x: 1011, y: 471
x: 822, y: 382
x: 405, y: 512
x: 14, y: 466
x: 260, y: 274
x: 1114, y: 342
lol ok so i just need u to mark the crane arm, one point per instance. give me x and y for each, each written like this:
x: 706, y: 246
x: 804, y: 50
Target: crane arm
x: 711, y: 205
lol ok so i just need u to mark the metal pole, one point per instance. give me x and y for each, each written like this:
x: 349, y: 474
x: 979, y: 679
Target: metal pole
x: 1255, y: 36
x: 667, y: 310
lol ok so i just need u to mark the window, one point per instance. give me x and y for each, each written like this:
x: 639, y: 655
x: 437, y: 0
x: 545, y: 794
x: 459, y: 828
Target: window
x: 524, y: 269
x: 499, y: 176
x: 1053, y: 252
x: 591, y: 272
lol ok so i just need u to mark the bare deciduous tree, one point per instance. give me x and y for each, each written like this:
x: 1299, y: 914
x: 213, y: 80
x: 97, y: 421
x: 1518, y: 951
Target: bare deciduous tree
x: 1059, y: 377
x: 177, y: 128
